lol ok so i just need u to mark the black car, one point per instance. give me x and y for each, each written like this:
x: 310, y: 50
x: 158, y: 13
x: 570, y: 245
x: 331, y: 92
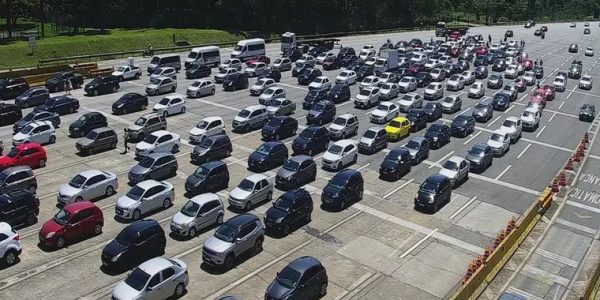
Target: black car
x: 462, y: 125
x: 61, y: 105
x: 499, y: 66
x: 293, y: 54
x: 197, y: 70
x: 480, y: 72
x: 312, y: 140
x: 347, y: 60
x: 415, y: 43
x: 573, y: 48
x: 57, y: 82
x: 587, y: 112
x: 539, y: 72
x: 346, y: 51
x: 423, y: 79
x: 19, y: 206
x: 279, y: 128
x: 10, y: 88
x: 433, y: 193
x: 363, y: 72
x: 501, y: 101
x: 396, y: 164
x: 273, y: 74
x: 315, y: 51
x: 102, y: 85
x: 308, y: 76
x: 268, y: 156
x: 32, y: 97
x: 303, y: 278
x: 135, y: 244
x: 355, y: 65
x: 438, y: 135
x: 463, y: 65
x: 321, y: 113
x: 418, y: 119
x: 575, y: 71
x: 37, y: 116
x: 292, y: 208
x: 299, y: 69
x: 480, y: 157
x: 209, y: 177
x: 344, y: 188
x: 433, y: 111
x: 511, y: 91
x: 297, y: 171
x: 332, y: 63
x: 130, y: 102
x: 212, y: 148
x: 9, y: 114
x: 373, y: 139
x: 313, y: 97
x: 86, y: 123
x: 339, y: 93
x: 481, y: 61
x: 235, y: 81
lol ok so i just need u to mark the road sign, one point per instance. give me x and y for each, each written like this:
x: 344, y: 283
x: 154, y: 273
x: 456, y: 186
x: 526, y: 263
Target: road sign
x: 31, y: 40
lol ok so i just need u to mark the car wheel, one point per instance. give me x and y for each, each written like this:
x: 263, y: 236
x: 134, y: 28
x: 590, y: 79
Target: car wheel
x: 183, y: 109
x: 192, y: 232
x: 179, y: 290
x: 32, y: 189
x: 339, y: 166
x: 52, y: 139
x: 323, y: 289
x: 342, y: 204
x: 175, y: 149
x: 165, y: 114
x: 248, y: 206
x: 258, y: 245
x: 97, y: 229
x: 31, y: 219
x: 60, y: 242
x: 166, y: 203
x: 229, y: 261
x: 96, y: 93
x: 220, y: 219
x: 343, y: 135
x: 136, y: 215
x: 41, y: 163
x: 10, y: 258
x: 310, y: 152
x: 247, y: 128
x: 269, y: 196
x: 78, y: 199
x: 124, y: 111
x: 173, y: 172
x: 355, y: 159
x: 286, y: 229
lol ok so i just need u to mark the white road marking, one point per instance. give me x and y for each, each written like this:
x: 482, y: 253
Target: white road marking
x: 363, y: 166
x: 393, y: 253
x: 539, y: 273
x: 472, y: 137
x: 552, y: 117
x: 508, y: 109
x: 556, y: 257
x: 218, y: 105
x: 421, y: 241
x: 293, y: 86
x: 398, y: 188
x: 561, y: 105
x: 523, y: 152
x: 540, y: 132
x: 502, y: 173
x: 463, y: 207
x: 573, y: 225
x: 586, y: 207
x: 466, y: 110
x: 494, y: 121
x: 437, y: 163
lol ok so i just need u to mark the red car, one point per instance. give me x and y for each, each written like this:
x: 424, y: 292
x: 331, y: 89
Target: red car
x: 550, y: 92
x: 539, y: 97
x: 28, y: 154
x: 481, y: 51
x: 455, y: 52
x: 527, y: 64
x: 520, y: 84
x: 257, y: 59
x: 74, y: 221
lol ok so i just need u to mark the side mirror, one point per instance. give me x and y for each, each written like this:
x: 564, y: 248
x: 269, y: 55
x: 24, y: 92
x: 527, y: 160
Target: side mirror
x: 237, y: 240
x: 150, y: 288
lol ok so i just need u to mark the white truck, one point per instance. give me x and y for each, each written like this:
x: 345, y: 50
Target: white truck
x: 387, y: 60
x: 127, y: 72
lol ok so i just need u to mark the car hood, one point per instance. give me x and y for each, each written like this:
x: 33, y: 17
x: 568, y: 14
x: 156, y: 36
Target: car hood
x: 126, y: 202
x: 181, y: 219
x: 114, y: 248
x: 144, y: 146
x: 159, y: 106
x: 53, y: 80
x: 447, y: 104
x: 76, y: 124
x: 277, y: 291
x: 405, y: 102
x: 331, y: 190
x: 340, y: 77
x: 20, y: 136
x: 479, y: 111
x: 217, y: 245
x: 430, y: 91
x: 272, y: 108
x: 69, y: 191
x: 137, y: 169
x: 388, y: 164
x: 124, y: 291
x: 256, y: 87
x: 238, y: 193
x: 474, y: 89
x: 448, y: 173
x: 239, y: 119
x: 452, y: 82
x: 134, y: 127
x: 508, y: 129
x: 362, y: 97
x: 275, y: 213
x: 197, y: 131
x: 5, y: 160
x: 366, y: 140
x: 494, y: 144
x: 152, y: 86
x: 255, y: 156
x: 379, y: 113
x: 331, y: 157
x: 50, y: 226
x: 336, y: 127
x: 283, y: 173
x: 84, y: 142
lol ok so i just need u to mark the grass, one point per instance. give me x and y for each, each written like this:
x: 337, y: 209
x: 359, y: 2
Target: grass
x: 18, y: 54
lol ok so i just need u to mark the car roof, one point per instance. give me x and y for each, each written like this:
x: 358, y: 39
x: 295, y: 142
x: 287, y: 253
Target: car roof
x: 256, y: 177
x: 91, y: 173
x: 160, y: 133
x: 5, y: 228
x: 301, y: 158
x: 173, y: 96
x: 146, y: 184
x: 77, y: 206
x: 204, y: 198
x: 436, y: 178
x: 514, y: 119
x: 347, y: 116
x: 157, y: 155
x: 456, y: 159
x: 400, y: 119
x: 212, y: 164
x: 155, y: 265
x: 344, y: 143
x: 141, y: 225
x: 26, y: 146
x: 16, y: 169
x: 346, y: 173
x: 241, y: 220
x: 212, y: 118
x: 418, y: 139
x: 40, y: 123
x: 255, y: 107
x: 303, y: 263
x: 375, y: 128
x: 102, y: 129
x: 150, y: 115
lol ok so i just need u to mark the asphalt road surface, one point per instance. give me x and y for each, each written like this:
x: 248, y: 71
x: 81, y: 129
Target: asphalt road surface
x: 379, y: 248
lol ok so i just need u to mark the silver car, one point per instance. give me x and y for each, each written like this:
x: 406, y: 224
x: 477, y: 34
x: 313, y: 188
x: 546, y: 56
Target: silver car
x: 271, y: 93
x: 251, y: 117
x: 161, y: 85
x: 343, y: 126
x: 261, y: 85
x: 88, y: 185
x: 252, y: 190
x: 281, y: 107
x: 201, y: 87
x: 157, y: 278
x: 200, y: 212
x: 144, y: 197
x: 389, y: 91
x: 456, y: 169
x: 282, y: 64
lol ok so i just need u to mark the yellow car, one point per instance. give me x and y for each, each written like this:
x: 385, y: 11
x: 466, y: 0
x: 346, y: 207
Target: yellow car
x: 398, y: 128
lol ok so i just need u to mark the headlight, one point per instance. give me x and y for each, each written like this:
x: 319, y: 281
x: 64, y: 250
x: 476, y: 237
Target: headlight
x: 50, y: 235
x: 114, y: 259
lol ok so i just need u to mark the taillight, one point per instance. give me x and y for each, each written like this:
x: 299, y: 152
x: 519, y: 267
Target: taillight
x: 17, y: 237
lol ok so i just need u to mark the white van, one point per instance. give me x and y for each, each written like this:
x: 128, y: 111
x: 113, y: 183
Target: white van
x: 209, y: 55
x: 173, y: 61
x: 246, y: 49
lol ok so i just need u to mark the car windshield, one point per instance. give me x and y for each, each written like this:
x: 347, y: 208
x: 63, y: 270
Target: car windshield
x: 586, y: 78
x: 405, y: 80
x: 365, y: 92
x: 413, y: 145
x: 450, y: 165
x: 428, y: 186
x: 455, y: 78
x: 202, y: 125
x: 77, y: 181
x: 449, y: 100
x: 289, y: 277
x: 395, y: 124
x: 27, y: 129
x: 263, y: 149
x: 386, y: 86
x: 206, y: 143
x: 91, y: 135
x: 319, y: 107
x: 368, y: 80
x: 307, y: 134
x: 141, y: 121
x: 370, y: 134
x: 497, y: 137
x: 196, y: 83
x: 559, y: 80
x: 481, y: 106
x: 344, y: 74
x: 335, y: 149
x: 528, y: 114
x: 164, y: 101
x: 190, y: 209
x: 269, y: 92
x: 340, y: 121
x: 146, y: 162
x: 13, y: 153
x: 62, y: 217
x: 283, y: 203
x: 244, y: 113
x: 508, y: 123
x: 226, y: 233
x: 150, y: 139
x: 126, y: 237
x: 138, y: 278
x: 476, y: 151
x: 246, y: 185
x: 155, y: 81
x: 383, y: 107
x: 291, y: 165
x: 136, y: 193
x: 29, y: 116
x: 276, y: 102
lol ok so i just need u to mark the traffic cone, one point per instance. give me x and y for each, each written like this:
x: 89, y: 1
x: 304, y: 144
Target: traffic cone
x: 562, y: 181
x: 577, y: 158
x: 582, y: 146
x: 511, y: 225
x: 569, y: 165
x: 586, y: 138
x: 554, y: 186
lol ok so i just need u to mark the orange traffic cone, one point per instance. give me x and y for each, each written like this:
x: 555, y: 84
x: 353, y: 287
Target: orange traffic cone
x: 586, y: 138
x: 577, y: 157
x: 562, y: 180
x: 554, y: 186
x: 569, y: 165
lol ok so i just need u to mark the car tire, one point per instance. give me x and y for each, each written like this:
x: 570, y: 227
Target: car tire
x: 339, y: 166
x: 258, y: 245
x: 343, y: 135
x: 78, y: 199
x: 323, y: 290
x: 98, y: 229
x: 136, y: 215
x: 183, y: 109
x: 166, y: 203
x: 60, y: 242
x: 269, y: 196
x: 286, y: 229
x: 173, y: 172
x: 248, y: 206
x: 52, y: 139
x: 192, y: 232
x: 10, y: 258
x: 220, y: 219
x: 355, y: 159
x: 41, y: 163
x: 342, y: 204
x: 175, y: 149
x: 31, y: 219
x: 96, y: 93
x: 229, y: 262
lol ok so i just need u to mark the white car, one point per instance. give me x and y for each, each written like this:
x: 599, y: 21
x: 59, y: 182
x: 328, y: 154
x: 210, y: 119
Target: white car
x: 320, y: 83
x: 164, y: 71
x: 531, y: 118
x: 233, y: 63
x: 455, y: 83
x: 207, y: 127
x: 202, y: 211
x: 585, y: 83
x: 161, y: 85
x: 170, y: 105
x: 159, y: 141
x: 469, y: 77
x: 256, y: 69
x: 347, y: 76
x: 418, y: 58
x: 271, y: 93
x: 494, y: 47
x: 456, y: 169
x: 127, y: 72
x: 499, y: 141
x: 384, y: 112
x: 514, y: 127
x: 156, y: 278
x: 445, y: 59
x: 282, y: 64
x: 10, y: 245
x: 219, y: 77
x: 340, y: 154
x: 431, y: 64
x: 281, y: 107
x: 261, y: 85
x: 389, y: 90
x: 369, y: 81
x: 511, y: 72
x: 436, y: 74
x: 433, y: 91
x: 41, y: 132
x: 306, y: 60
x: 451, y: 104
x: 323, y: 56
x: 201, y: 87
x: 88, y: 185
x: 560, y: 83
x: 529, y: 77
x: 344, y: 125
x: 371, y: 61
x: 589, y: 51
x: 407, y: 84
x: 511, y: 51
x: 144, y: 197
x: 477, y: 90
x: 367, y: 97
x: 410, y: 101
x: 366, y: 53
x: 386, y: 77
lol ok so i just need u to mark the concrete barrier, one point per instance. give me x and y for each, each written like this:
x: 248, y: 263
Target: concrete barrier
x: 591, y: 290
x: 35, y: 71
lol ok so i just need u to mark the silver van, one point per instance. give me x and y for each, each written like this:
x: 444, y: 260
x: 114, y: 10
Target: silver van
x: 173, y: 61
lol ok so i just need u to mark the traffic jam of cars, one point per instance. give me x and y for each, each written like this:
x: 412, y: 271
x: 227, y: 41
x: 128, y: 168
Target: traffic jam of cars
x: 364, y: 109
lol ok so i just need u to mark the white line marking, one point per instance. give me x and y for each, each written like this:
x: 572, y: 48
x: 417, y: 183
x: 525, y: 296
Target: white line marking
x: 540, y: 132
x: 552, y: 117
x: 586, y: 207
x: 218, y: 105
x: 466, y: 110
x: 393, y: 253
x: 502, y: 173
x: 508, y: 109
x: 421, y: 241
x: 472, y: 137
x: 494, y: 121
x: 561, y: 105
x: 569, y: 95
x: 398, y: 188
x: 441, y: 159
x: 556, y: 257
x: 523, y: 152
x: 545, y: 274
x: 293, y: 86
x: 362, y: 167
x: 463, y: 207
x: 576, y: 226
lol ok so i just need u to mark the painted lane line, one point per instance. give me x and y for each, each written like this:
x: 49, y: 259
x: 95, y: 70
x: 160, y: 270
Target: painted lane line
x: 437, y: 163
x: 472, y: 137
x: 494, y: 121
x: 466, y: 110
x: 393, y: 253
x: 586, y: 207
x: 540, y: 132
x: 398, y: 188
x: 293, y: 86
x: 502, y: 173
x: 523, y: 151
x: 552, y: 117
x: 576, y: 226
x: 508, y: 109
x: 561, y: 105
x: 362, y: 167
x: 218, y: 105
x: 421, y: 241
x: 569, y: 95
x: 556, y: 257
x: 463, y: 207
x: 539, y: 273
